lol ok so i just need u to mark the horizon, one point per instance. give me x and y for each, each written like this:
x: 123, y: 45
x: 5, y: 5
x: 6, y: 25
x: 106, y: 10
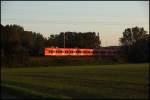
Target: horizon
x: 110, y: 20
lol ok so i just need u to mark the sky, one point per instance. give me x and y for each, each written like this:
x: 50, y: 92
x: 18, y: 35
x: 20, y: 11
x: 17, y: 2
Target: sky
x: 109, y: 18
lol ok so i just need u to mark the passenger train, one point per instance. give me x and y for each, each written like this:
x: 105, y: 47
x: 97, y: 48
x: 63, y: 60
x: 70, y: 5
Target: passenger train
x: 103, y: 51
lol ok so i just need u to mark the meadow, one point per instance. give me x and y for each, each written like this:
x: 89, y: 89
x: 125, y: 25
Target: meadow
x: 120, y: 81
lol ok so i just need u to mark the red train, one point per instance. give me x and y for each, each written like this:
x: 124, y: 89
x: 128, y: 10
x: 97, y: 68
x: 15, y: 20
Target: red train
x: 103, y: 51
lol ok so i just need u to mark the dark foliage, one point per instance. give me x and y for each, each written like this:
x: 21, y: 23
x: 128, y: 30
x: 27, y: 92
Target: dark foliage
x: 75, y: 40
x: 18, y: 45
x: 135, y: 45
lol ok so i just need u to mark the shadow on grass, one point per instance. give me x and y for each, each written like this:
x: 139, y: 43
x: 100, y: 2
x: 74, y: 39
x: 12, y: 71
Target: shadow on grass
x: 9, y: 92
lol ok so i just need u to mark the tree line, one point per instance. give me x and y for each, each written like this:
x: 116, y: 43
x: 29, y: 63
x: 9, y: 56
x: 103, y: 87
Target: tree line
x: 18, y: 45
x: 135, y: 45
x: 75, y: 40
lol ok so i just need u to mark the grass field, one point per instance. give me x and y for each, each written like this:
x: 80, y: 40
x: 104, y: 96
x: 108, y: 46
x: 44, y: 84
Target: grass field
x: 124, y: 81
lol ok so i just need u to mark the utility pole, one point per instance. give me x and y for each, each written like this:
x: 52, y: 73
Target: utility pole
x: 98, y: 35
x: 64, y: 39
x: 132, y: 36
x: 98, y: 38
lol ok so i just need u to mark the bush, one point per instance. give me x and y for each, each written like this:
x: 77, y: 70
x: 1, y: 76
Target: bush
x: 69, y: 61
x: 19, y: 57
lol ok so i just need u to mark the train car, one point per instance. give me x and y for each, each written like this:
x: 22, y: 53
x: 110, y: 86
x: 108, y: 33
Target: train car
x: 106, y: 51
x: 68, y: 52
x: 103, y: 51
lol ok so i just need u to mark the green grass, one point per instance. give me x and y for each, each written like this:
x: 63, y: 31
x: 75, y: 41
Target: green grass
x: 124, y: 81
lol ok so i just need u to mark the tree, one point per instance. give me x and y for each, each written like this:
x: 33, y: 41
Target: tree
x: 135, y: 44
x: 13, y: 52
x: 38, y: 44
x: 132, y: 35
x: 18, y: 45
x: 75, y: 40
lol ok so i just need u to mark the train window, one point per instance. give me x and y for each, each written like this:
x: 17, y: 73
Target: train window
x: 66, y: 51
x: 50, y: 51
x: 78, y: 51
x: 96, y: 52
x: 84, y: 51
x: 88, y: 51
x: 101, y: 51
x: 59, y: 51
x: 71, y: 51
